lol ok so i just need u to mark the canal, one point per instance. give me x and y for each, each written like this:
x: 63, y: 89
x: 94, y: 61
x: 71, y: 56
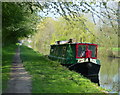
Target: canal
x: 109, y: 73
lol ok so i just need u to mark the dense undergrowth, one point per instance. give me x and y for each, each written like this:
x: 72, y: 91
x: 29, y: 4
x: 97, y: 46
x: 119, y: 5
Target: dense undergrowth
x: 50, y: 77
x: 7, y: 58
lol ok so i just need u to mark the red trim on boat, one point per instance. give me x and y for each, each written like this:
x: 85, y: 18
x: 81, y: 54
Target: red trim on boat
x: 86, y: 49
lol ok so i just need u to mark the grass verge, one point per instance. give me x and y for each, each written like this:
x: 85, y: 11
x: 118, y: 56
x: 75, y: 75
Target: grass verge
x: 108, y: 52
x: 7, y: 56
x: 50, y: 77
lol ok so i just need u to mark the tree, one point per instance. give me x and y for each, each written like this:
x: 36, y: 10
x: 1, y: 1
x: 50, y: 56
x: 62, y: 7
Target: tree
x: 74, y: 29
x: 103, y: 14
x: 50, y: 30
x: 17, y: 21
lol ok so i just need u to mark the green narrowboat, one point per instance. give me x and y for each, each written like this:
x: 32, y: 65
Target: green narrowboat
x: 80, y: 57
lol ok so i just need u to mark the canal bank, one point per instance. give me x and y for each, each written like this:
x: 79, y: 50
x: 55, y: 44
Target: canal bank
x: 51, y: 77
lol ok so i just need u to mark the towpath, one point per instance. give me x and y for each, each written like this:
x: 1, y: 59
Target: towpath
x: 20, y: 80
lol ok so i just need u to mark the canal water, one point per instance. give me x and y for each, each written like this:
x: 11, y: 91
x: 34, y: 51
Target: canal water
x: 109, y: 74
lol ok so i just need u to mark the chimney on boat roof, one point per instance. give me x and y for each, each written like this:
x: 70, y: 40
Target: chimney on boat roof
x: 58, y: 42
x: 64, y: 42
x: 70, y: 41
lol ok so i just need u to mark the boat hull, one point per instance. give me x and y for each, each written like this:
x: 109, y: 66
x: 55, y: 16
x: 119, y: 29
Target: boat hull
x: 87, y: 69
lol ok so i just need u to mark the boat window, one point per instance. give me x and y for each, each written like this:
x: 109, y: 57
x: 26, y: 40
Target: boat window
x: 93, y: 49
x: 81, y: 50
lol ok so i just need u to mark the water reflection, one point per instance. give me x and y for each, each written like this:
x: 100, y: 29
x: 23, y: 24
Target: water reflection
x: 109, y: 73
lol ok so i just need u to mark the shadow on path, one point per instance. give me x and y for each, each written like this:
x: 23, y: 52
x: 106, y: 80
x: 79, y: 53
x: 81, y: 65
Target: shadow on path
x: 20, y: 80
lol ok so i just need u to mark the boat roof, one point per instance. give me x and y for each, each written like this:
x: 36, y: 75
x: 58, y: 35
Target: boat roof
x: 79, y: 43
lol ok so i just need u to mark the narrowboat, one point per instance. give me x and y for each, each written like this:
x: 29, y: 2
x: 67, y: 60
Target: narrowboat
x: 80, y: 57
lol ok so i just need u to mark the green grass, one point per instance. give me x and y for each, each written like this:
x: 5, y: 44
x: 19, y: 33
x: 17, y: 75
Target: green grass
x: 108, y: 51
x: 113, y: 49
x: 116, y: 49
x: 7, y: 57
x: 50, y: 77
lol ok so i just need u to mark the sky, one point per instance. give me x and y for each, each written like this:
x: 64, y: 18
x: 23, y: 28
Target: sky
x: 112, y: 4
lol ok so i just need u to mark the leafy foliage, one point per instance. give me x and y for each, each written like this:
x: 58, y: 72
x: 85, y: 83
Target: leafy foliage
x: 17, y: 21
x: 101, y: 10
x: 74, y: 29
x: 50, y: 30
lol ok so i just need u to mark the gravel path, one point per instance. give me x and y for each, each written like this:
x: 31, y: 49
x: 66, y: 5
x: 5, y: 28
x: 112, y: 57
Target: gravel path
x: 20, y: 81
